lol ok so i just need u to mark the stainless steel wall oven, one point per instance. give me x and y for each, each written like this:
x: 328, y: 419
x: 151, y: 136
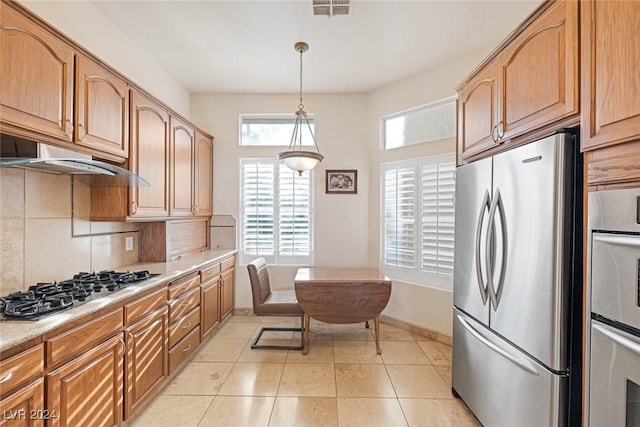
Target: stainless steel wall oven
x: 614, y: 269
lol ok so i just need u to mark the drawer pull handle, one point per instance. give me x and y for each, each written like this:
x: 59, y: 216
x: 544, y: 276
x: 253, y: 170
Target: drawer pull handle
x: 187, y: 325
x: 6, y: 378
x: 187, y: 349
x: 187, y: 303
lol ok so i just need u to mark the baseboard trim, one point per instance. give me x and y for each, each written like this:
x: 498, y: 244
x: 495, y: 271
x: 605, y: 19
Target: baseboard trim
x: 400, y: 324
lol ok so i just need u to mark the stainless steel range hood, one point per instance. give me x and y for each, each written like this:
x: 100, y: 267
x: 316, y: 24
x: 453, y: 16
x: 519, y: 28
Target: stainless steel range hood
x: 20, y: 153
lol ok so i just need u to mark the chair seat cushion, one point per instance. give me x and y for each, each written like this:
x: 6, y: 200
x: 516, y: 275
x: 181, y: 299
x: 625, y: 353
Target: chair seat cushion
x: 279, y: 302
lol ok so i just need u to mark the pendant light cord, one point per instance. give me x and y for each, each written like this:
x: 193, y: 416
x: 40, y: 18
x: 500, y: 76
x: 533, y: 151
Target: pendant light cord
x: 301, y: 105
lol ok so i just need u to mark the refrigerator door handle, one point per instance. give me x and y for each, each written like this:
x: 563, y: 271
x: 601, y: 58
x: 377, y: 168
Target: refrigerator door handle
x: 484, y: 207
x: 519, y: 362
x: 629, y: 344
x: 495, y: 292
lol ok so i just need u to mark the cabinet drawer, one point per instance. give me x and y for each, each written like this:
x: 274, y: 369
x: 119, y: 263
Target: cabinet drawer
x: 183, y: 304
x: 185, y: 348
x: 137, y: 310
x: 182, y: 285
x: 21, y: 368
x: 182, y: 327
x: 210, y: 272
x: 78, y: 340
x: 228, y: 263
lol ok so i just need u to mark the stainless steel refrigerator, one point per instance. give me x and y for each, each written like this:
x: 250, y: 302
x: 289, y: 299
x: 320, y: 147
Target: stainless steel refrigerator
x: 517, y: 285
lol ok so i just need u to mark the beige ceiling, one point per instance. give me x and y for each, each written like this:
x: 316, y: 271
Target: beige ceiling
x: 246, y: 46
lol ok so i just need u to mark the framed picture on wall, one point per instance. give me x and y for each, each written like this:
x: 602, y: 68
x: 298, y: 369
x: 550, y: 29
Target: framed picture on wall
x: 341, y: 181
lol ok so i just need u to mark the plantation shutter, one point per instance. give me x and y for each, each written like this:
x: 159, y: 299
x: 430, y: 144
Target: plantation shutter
x: 437, y: 215
x: 294, y: 234
x: 258, y: 195
x: 418, y: 220
x: 399, y: 217
x: 276, y: 213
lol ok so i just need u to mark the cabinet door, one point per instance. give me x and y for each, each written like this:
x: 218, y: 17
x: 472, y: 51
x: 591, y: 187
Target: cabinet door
x: 477, y: 112
x: 147, y: 359
x: 89, y: 389
x: 227, y: 293
x: 149, y: 156
x: 182, y: 168
x: 538, y: 72
x: 203, y: 175
x: 102, y: 109
x: 209, y: 306
x: 25, y: 408
x: 610, y: 76
x: 36, y: 79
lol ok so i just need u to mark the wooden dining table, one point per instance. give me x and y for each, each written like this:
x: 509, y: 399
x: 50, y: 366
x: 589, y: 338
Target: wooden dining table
x: 342, y: 295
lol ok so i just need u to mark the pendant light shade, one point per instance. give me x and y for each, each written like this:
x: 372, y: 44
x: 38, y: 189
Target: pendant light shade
x: 295, y: 157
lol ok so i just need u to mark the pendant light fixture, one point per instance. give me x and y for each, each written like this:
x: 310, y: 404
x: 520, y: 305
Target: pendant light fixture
x: 295, y: 158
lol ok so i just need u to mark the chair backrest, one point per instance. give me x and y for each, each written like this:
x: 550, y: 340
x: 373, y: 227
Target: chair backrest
x: 259, y: 277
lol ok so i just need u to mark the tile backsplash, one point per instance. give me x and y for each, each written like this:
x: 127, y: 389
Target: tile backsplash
x: 46, y: 233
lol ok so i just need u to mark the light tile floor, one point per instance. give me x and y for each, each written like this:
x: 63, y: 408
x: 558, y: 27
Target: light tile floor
x: 340, y: 382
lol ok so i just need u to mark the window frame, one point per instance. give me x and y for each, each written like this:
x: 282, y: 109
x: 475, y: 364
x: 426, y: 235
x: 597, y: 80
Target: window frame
x: 276, y: 258
x: 384, y: 120
x: 306, y: 141
x: 415, y: 274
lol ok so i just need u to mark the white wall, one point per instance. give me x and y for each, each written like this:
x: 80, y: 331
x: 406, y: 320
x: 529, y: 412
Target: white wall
x: 83, y: 23
x: 423, y: 306
x: 341, y: 224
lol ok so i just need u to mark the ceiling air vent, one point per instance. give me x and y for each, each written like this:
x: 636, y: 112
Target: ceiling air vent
x: 330, y: 7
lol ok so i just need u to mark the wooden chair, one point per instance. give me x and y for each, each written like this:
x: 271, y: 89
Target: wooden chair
x: 272, y: 303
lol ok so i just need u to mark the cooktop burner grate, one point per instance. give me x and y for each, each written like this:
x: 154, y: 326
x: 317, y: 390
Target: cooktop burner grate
x: 43, y: 299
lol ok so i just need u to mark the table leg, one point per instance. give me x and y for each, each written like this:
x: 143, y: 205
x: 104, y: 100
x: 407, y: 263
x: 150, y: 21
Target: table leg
x: 376, y: 322
x: 307, y: 321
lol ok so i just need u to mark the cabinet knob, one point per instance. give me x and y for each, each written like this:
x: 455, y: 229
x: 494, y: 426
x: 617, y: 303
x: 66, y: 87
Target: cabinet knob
x: 81, y: 132
x: 494, y: 134
x: 69, y: 129
x: 500, y: 129
x: 134, y: 208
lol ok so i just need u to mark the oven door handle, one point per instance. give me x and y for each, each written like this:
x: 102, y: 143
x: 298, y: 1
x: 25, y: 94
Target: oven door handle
x: 617, y: 239
x: 617, y: 337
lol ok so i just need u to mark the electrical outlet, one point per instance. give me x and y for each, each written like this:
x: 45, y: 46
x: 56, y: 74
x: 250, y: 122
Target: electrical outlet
x: 128, y: 243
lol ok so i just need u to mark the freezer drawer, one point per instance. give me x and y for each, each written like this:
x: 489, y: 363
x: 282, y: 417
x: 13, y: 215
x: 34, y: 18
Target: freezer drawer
x: 501, y: 385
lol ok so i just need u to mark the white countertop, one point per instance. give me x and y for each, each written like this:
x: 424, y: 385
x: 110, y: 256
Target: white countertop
x: 17, y: 332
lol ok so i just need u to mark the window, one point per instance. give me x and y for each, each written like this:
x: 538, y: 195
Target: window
x: 272, y: 130
x: 418, y: 220
x: 275, y: 213
x: 423, y: 124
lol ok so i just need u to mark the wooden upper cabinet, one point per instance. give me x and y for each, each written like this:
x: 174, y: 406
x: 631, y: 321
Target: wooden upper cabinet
x: 182, y: 168
x: 149, y: 157
x: 36, y: 80
x: 539, y: 72
x: 610, y: 72
x: 203, y: 174
x: 102, y: 109
x: 478, y: 112
x: 532, y: 82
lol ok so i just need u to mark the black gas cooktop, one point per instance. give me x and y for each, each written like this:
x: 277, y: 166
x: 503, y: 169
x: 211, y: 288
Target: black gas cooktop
x: 43, y: 299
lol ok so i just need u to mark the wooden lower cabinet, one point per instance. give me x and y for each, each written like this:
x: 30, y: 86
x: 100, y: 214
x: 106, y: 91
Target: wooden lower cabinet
x: 209, y: 306
x: 227, y: 285
x: 89, y: 389
x: 147, y: 365
x: 25, y: 408
x: 185, y: 348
